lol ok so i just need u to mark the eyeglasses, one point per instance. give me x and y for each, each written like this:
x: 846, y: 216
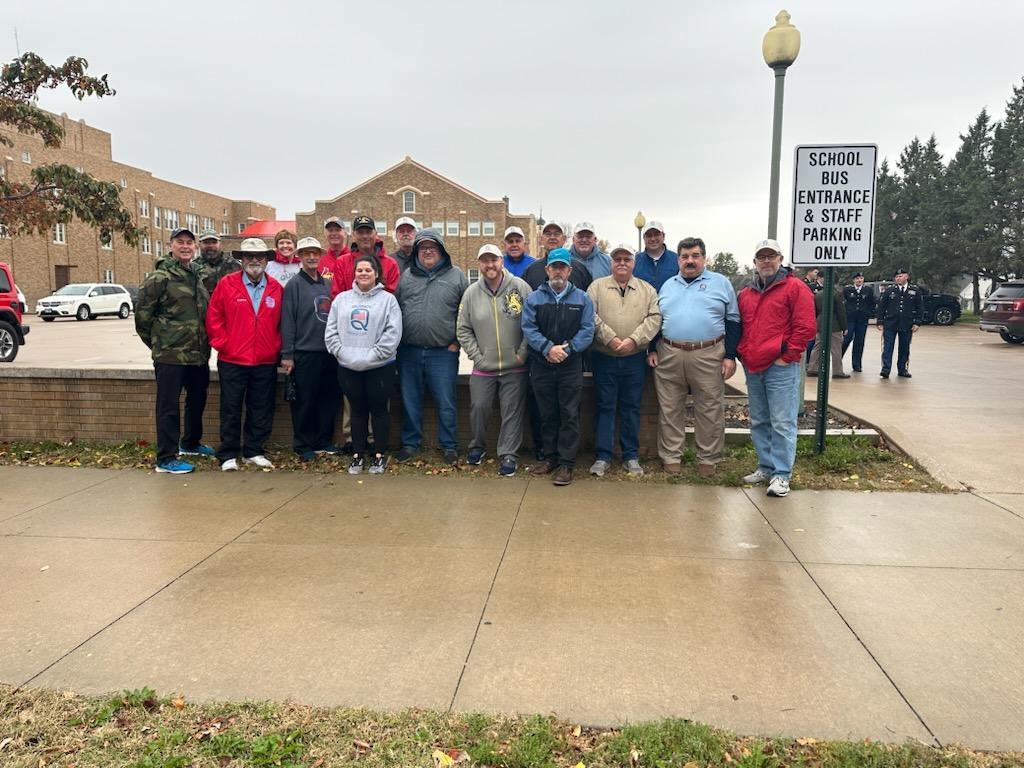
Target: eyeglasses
x: 253, y: 257
x: 623, y: 260
x: 767, y: 257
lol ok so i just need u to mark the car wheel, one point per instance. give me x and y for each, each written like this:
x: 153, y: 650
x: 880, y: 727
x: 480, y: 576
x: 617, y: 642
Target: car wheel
x: 1009, y: 338
x: 8, y: 343
x: 124, y: 312
x: 943, y: 316
x: 83, y: 313
x: 49, y: 319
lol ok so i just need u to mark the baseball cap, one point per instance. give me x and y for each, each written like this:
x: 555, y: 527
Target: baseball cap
x: 554, y: 224
x: 513, y: 231
x: 768, y: 245
x: 405, y: 220
x: 491, y: 249
x: 209, y: 234
x: 657, y: 225
x: 559, y: 256
x: 360, y: 222
x: 583, y: 226
x: 308, y: 243
x: 625, y: 248
x: 334, y: 220
x: 182, y: 231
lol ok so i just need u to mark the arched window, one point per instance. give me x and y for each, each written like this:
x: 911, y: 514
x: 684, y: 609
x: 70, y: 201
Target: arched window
x: 409, y: 201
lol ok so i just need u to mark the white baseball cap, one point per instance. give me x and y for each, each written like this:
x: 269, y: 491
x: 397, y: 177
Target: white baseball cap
x: 491, y: 249
x: 623, y: 247
x: 583, y: 226
x: 554, y: 224
x: 768, y: 245
x: 307, y: 244
x: 653, y: 225
x: 513, y: 231
x: 405, y: 220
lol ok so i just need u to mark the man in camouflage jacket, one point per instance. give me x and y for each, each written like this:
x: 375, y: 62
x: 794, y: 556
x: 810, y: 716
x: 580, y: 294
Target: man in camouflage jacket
x: 214, y: 263
x: 170, y: 318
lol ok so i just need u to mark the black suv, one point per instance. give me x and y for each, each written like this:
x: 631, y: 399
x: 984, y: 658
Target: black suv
x: 939, y: 308
x: 1003, y: 312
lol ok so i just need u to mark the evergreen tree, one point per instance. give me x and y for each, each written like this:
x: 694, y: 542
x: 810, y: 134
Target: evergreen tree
x: 1008, y: 183
x: 887, y: 224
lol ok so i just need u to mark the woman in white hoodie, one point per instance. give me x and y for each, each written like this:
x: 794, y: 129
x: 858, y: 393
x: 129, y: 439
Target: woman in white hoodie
x: 364, y: 328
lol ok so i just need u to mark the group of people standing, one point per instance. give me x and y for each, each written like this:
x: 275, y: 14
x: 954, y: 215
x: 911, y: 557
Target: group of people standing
x: 355, y: 321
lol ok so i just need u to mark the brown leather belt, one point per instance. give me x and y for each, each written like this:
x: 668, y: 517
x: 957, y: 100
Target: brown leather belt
x: 689, y: 346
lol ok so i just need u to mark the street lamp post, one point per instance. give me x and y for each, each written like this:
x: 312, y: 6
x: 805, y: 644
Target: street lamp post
x: 639, y: 222
x: 780, y: 47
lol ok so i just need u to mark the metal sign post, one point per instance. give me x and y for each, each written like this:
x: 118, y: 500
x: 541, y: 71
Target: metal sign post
x: 833, y: 225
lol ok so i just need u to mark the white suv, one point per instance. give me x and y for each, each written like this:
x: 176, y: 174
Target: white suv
x: 84, y: 301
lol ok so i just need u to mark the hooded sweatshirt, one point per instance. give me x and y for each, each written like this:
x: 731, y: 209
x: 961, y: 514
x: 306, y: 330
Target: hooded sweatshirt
x: 364, y: 328
x: 490, y: 326
x: 304, y: 312
x: 430, y: 298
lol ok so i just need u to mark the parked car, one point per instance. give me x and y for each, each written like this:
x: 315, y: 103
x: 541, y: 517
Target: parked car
x: 12, y: 332
x: 939, y: 308
x: 84, y: 301
x: 1003, y: 312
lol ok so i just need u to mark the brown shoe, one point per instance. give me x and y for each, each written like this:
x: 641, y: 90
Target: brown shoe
x: 544, y: 468
x: 563, y: 476
x: 706, y: 470
x: 673, y: 469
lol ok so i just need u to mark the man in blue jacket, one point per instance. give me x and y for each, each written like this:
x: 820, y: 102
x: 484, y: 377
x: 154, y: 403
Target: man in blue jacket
x: 558, y: 324
x: 655, y: 263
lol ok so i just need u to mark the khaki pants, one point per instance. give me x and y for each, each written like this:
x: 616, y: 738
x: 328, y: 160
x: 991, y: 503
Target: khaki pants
x: 836, y: 348
x: 698, y: 373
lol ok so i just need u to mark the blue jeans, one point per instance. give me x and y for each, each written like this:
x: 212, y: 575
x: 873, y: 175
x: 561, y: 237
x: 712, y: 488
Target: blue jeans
x: 773, y: 395
x: 618, y: 387
x: 427, y: 368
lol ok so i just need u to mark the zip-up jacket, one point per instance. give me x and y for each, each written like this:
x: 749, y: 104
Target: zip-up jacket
x: 211, y: 272
x: 307, y: 303
x: 239, y: 335
x: 549, y: 321
x: 364, y: 329
x: 778, y: 321
x: 490, y: 326
x: 170, y: 315
x: 657, y: 273
x: 630, y: 313
x: 345, y: 270
x: 430, y: 301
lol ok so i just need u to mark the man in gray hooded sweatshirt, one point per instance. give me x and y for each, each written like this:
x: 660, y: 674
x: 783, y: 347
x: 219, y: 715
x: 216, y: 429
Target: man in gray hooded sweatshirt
x: 429, y: 294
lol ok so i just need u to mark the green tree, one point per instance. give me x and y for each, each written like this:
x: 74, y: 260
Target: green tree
x: 725, y: 263
x: 56, y: 193
x: 887, y: 226
x: 1008, y: 183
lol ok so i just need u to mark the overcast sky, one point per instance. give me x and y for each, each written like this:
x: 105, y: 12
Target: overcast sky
x: 592, y: 110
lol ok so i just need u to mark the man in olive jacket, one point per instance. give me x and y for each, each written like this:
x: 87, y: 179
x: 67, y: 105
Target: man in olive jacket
x: 170, y: 318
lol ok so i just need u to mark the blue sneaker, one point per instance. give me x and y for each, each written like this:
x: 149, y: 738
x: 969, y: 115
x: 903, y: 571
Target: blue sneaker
x: 199, y: 450
x: 475, y: 457
x: 174, y: 467
x: 509, y: 465
x: 308, y: 455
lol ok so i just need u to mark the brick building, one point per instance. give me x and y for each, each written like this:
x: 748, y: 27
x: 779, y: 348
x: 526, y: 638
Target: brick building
x: 73, y: 252
x: 467, y: 219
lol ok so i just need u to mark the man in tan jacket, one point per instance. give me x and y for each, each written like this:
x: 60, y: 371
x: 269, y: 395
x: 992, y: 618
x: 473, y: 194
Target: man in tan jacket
x: 627, y: 318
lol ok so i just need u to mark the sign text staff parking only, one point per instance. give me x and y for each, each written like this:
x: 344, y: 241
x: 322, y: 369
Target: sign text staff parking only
x: 833, y: 204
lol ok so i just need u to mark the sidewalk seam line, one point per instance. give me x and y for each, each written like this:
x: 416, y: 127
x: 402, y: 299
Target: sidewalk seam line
x: 173, y: 581
x: 487, y: 600
x: 995, y: 504
x: 61, y: 498
x: 842, y: 618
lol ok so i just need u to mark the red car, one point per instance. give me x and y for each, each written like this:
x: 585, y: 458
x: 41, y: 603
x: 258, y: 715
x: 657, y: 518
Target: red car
x: 12, y: 332
x: 1004, y: 312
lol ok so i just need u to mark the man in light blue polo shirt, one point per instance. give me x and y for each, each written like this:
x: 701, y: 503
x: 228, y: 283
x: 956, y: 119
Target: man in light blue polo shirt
x: 695, y: 354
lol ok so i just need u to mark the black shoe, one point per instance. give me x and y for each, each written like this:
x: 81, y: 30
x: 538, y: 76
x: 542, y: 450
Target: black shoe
x: 347, y: 449
x: 856, y: 370
x: 538, y: 454
x: 904, y: 375
x: 406, y: 454
x: 379, y: 464
x: 450, y: 457
x: 884, y: 374
x: 812, y: 374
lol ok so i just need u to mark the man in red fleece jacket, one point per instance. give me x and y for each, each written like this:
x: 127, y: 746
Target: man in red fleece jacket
x: 364, y: 232
x: 336, y: 236
x: 777, y: 315
x: 243, y: 324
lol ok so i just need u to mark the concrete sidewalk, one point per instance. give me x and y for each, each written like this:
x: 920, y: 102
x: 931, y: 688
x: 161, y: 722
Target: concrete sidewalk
x: 827, y: 614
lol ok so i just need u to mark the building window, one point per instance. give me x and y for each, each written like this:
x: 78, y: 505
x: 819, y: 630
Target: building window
x: 382, y: 227
x: 108, y: 275
x: 488, y: 228
x: 144, y: 208
x: 107, y: 244
x: 60, y: 234
x: 171, y: 219
x: 473, y: 274
x: 241, y: 226
x: 474, y: 228
x: 437, y: 225
x: 408, y: 201
x: 147, y: 246
x: 192, y: 223
x: 224, y: 212
x: 224, y: 228
x: 191, y: 203
x: 156, y: 216
x: 4, y: 233
x: 26, y: 156
x: 207, y: 223
x: 453, y: 229
x: 124, y: 183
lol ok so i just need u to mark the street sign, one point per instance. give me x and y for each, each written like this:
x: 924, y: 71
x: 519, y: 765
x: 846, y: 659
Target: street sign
x: 833, y: 204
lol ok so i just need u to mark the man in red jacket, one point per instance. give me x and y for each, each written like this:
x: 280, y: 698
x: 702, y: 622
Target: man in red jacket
x: 364, y: 233
x: 243, y: 323
x: 336, y: 236
x: 777, y: 315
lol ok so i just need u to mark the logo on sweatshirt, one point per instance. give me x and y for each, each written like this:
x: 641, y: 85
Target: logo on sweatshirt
x: 322, y: 308
x: 359, y: 319
x: 513, y: 303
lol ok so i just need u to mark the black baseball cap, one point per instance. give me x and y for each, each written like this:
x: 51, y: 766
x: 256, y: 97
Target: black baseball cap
x: 363, y: 221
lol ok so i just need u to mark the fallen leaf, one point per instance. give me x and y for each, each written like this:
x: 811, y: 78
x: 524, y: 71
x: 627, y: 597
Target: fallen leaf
x: 855, y: 477
x: 634, y: 757
x: 806, y: 742
x: 361, y: 746
x: 579, y: 765
x: 441, y: 759
x: 318, y: 763
x: 5, y: 742
x: 691, y: 764
x: 44, y: 568
x: 577, y: 731
x: 178, y: 703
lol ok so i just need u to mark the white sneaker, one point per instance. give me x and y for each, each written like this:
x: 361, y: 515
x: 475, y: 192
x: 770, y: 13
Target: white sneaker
x: 231, y: 465
x: 779, y: 486
x: 599, y: 467
x: 633, y: 467
x: 260, y: 461
x: 756, y: 477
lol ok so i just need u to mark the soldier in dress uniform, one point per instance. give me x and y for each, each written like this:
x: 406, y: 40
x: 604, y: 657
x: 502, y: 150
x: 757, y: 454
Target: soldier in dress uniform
x: 860, y: 304
x: 899, y: 315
